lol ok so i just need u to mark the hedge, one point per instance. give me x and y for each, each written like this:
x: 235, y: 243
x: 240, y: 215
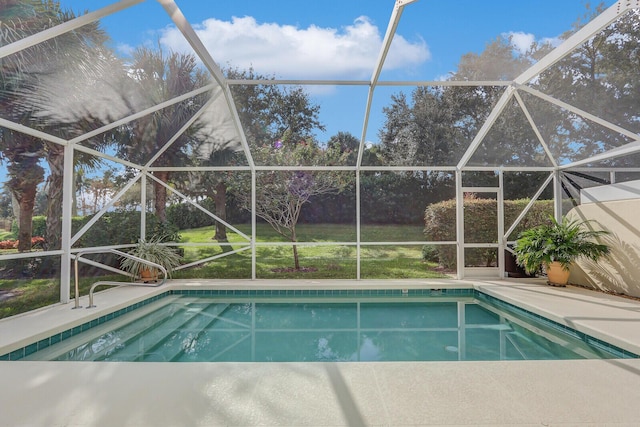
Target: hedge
x: 480, y: 226
x: 113, y: 228
x: 186, y: 216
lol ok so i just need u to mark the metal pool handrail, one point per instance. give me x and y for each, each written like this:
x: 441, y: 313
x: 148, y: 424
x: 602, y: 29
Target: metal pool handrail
x: 110, y: 283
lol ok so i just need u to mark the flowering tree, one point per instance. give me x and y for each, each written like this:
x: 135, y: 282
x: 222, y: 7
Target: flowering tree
x: 280, y: 194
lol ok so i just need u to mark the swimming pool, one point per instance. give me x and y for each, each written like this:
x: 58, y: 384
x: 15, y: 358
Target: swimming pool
x: 417, y: 325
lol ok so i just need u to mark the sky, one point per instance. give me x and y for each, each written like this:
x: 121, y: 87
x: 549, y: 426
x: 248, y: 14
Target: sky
x: 341, y: 39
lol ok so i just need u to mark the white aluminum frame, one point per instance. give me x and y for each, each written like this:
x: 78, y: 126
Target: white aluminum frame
x: 513, y: 90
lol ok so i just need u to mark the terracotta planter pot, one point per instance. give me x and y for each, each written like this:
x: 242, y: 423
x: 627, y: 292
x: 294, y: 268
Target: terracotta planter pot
x: 149, y: 275
x: 556, y: 275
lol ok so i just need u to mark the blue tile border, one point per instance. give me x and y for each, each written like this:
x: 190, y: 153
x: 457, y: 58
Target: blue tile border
x: 247, y: 293
x: 56, y: 338
x: 324, y: 292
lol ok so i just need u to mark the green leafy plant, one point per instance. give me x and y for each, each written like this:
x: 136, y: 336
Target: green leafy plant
x: 562, y: 242
x: 150, y: 250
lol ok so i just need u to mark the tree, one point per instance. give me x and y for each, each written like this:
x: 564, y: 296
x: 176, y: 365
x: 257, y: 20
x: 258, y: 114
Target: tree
x: 279, y: 123
x: 345, y: 142
x: 21, y: 151
x: 159, y: 77
x: 267, y: 113
x: 6, y: 210
x: 597, y: 77
x: 34, y: 90
x: 212, y: 185
x: 420, y: 132
x: 25, y: 174
x: 280, y: 194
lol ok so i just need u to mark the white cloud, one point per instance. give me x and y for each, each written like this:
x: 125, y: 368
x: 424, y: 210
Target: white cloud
x: 522, y: 41
x: 125, y: 49
x: 293, y: 52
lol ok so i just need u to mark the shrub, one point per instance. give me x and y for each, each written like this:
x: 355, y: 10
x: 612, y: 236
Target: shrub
x: 430, y: 253
x: 118, y: 228
x: 186, y: 216
x: 9, y: 244
x: 38, y: 226
x: 480, y: 225
x: 36, y: 243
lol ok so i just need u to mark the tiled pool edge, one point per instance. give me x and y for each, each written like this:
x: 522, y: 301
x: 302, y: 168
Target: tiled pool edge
x: 41, y: 344
x: 22, y: 352
x: 586, y: 338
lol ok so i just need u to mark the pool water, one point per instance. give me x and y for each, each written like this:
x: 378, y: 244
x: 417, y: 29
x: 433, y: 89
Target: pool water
x: 183, y: 328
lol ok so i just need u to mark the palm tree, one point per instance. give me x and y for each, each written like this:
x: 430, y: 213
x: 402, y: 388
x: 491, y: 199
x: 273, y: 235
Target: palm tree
x: 33, y: 84
x: 22, y: 152
x: 160, y: 77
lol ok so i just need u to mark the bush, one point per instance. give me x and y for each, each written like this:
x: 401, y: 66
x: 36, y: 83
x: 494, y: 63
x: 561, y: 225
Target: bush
x: 38, y: 226
x: 36, y: 243
x: 480, y: 225
x: 186, y: 216
x: 119, y: 228
x: 430, y: 253
x: 9, y: 244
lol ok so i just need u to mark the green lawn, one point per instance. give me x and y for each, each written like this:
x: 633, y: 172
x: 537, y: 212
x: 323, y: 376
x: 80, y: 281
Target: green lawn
x: 335, y: 261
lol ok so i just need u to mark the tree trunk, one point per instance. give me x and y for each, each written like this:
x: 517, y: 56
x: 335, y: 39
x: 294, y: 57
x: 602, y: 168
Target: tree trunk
x: 15, y: 207
x: 220, y: 201
x: 25, y: 177
x: 25, y: 227
x: 296, y: 260
x: 55, y: 159
x: 160, y: 192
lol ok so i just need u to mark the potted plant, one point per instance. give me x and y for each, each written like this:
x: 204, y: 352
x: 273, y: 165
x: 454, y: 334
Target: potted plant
x: 556, y: 245
x: 150, y: 250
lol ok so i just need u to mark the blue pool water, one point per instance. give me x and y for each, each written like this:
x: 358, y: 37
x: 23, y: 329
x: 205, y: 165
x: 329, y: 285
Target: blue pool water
x: 187, y: 328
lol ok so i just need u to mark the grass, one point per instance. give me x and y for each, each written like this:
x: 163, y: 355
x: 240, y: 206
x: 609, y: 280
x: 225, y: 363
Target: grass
x: 335, y: 261
x: 31, y: 294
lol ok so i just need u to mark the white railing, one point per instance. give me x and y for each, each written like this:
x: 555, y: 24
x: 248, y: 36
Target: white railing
x: 112, y: 283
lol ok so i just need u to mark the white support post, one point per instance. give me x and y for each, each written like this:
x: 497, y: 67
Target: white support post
x: 201, y: 51
x: 65, y: 238
x: 501, y: 237
x: 394, y: 19
x: 358, y: 225
x: 143, y: 205
x: 459, y: 225
x: 253, y: 224
x: 557, y: 195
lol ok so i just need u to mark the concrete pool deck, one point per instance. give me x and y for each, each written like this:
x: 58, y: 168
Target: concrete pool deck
x: 516, y: 393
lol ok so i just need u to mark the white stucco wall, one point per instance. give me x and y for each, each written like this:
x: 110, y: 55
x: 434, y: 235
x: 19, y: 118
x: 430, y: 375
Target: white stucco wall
x: 620, y: 272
